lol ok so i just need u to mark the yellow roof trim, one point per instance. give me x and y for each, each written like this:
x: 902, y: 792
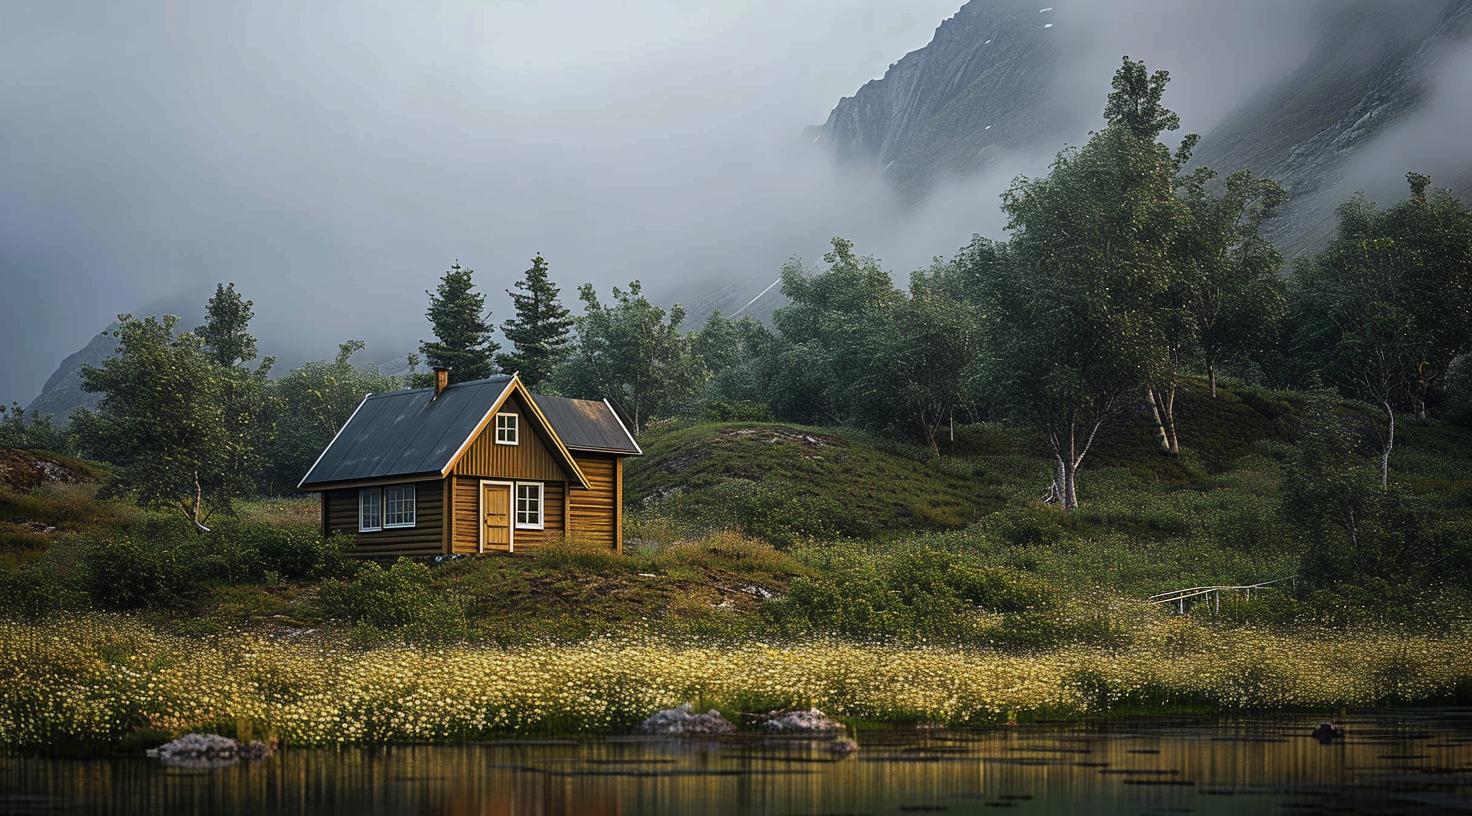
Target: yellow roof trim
x: 516, y: 385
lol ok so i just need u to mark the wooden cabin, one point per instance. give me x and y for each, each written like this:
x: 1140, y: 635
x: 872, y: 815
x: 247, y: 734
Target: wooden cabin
x: 474, y: 467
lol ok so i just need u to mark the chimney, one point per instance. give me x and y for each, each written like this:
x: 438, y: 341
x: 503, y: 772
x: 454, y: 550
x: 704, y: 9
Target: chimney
x: 441, y: 379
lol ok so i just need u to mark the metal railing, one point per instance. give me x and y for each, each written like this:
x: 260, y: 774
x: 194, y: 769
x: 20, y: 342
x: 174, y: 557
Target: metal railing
x: 1183, y: 599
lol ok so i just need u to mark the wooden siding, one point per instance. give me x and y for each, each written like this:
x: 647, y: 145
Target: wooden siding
x: 340, y: 509
x: 529, y: 460
x: 551, y: 520
x: 467, y: 521
x: 595, y: 515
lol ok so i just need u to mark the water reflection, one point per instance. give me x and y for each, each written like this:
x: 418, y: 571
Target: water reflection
x: 1395, y: 762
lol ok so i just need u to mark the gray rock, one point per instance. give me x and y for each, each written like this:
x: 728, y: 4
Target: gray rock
x: 811, y: 721
x: 685, y: 720
x: 209, y: 751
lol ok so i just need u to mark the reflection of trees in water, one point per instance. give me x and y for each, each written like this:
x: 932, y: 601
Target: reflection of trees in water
x: 1128, y: 765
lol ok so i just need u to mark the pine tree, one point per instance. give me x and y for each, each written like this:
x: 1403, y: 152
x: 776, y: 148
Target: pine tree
x: 541, y: 330
x: 226, y: 332
x: 462, y: 331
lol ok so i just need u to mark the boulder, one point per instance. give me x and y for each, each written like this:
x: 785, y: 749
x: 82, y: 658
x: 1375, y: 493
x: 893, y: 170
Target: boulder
x: 208, y: 751
x: 685, y: 720
x: 811, y: 721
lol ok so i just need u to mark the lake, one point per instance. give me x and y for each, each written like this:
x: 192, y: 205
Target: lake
x: 1413, y: 761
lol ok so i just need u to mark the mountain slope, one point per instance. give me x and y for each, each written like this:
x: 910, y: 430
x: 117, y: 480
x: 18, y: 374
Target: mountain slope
x: 981, y: 88
x: 995, y: 79
x: 1371, y: 68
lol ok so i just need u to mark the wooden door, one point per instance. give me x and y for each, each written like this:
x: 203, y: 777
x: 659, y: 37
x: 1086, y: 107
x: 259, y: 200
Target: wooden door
x: 495, y: 502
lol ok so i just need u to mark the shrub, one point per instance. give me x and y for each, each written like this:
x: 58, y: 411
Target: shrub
x: 722, y: 410
x: 400, y: 598
x: 1031, y: 526
x: 126, y: 572
x: 906, y: 592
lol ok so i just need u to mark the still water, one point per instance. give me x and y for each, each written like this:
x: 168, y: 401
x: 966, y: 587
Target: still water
x: 1416, y: 761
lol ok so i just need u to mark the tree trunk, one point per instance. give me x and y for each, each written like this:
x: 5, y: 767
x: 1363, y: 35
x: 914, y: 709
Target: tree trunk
x: 1164, y: 411
x: 1170, y: 421
x: 1389, y: 445
x: 1067, y: 484
x: 1162, y: 439
x: 195, y: 511
x: 1068, y: 458
x: 1211, y: 376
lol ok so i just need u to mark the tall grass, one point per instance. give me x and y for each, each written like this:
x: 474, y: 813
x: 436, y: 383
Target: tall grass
x: 101, y: 678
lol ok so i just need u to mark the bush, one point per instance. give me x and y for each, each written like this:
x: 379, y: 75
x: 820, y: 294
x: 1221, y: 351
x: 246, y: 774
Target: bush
x: 127, y: 572
x: 722, y: 410
x: 908, y: 592
x: 162, y: 560
x: 36, y: 588
x: 400, y: 598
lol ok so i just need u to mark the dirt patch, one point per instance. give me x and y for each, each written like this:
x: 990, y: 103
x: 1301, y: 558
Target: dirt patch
x: 27, y: 470
x: 775, y: 435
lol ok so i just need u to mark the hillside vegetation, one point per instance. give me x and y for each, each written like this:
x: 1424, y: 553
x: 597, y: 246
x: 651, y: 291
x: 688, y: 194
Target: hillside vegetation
x: 761, y: 559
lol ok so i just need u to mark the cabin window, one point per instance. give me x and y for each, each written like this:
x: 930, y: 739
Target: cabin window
x: 370, y: 510
x: 529, y: 505
x: 506, y: 429
x: 398, y: 506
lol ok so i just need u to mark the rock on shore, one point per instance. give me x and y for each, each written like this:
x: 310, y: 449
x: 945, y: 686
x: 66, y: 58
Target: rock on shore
x: 208, y: 750
x: 685, y: 720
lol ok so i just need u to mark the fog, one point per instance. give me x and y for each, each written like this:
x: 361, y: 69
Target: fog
x: 334, y: 158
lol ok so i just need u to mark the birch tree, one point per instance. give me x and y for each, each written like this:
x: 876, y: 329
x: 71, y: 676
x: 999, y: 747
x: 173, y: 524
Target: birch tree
x: 1071, y: 320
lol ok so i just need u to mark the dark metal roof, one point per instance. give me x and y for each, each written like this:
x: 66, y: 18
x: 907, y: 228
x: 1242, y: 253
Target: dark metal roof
x: 589, y: 425
x: 406, y: 433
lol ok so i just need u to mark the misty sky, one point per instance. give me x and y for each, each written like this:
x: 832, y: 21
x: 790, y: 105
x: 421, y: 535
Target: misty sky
x: 334, y: 158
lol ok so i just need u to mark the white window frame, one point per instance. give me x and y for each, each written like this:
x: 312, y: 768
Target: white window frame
x: 541, y: 521
x: 511, y: 429
x: 413, y: 507
x: 377, y: 494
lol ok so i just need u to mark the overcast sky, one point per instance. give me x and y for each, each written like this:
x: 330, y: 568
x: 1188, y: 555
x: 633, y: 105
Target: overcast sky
x: 334, y: 158
x: 342, y: 154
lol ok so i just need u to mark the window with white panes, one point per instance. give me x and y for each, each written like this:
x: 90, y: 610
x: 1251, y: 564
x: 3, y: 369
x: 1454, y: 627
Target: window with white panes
x: 529, y: 505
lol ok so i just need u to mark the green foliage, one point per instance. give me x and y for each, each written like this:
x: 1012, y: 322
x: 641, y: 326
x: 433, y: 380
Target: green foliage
x: 462, y: 328
x: 1228, y: 283
x: 1356, y: 529
x: 733, y: 353
x: 905, y: 592
x: 541, y: 330
x: 312, y: 403
x: 134, y: 571
x: 1135, y: 99
x: 1383, y: 312
x: 226, y: 332
x: 633, y: 354
x: 722, y: 410
x: 1072, y: 322
x: 164, y: 420
x: 400, y: 598
x: 33, y: 432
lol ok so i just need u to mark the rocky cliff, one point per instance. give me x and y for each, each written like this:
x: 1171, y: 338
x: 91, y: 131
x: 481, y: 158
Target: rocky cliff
x: 984, y: 86
x: 989, y: 82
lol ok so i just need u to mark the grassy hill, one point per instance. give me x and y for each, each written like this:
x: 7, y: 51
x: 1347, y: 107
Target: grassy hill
x: 723, y: 519
x: 760, y: 557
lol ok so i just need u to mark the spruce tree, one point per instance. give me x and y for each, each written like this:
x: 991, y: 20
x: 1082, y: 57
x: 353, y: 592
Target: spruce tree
x: 541, y: 330
x: 226, y: 332
x: 463, y: 334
